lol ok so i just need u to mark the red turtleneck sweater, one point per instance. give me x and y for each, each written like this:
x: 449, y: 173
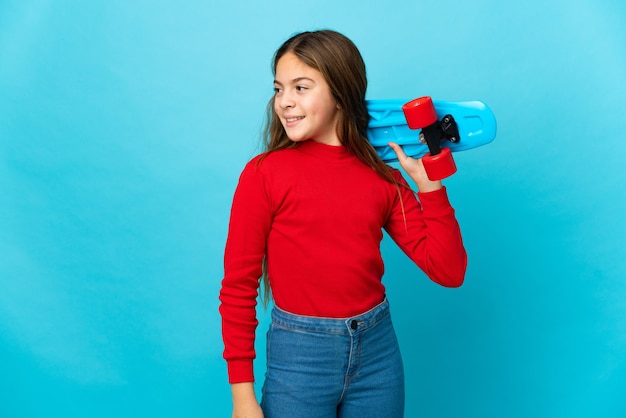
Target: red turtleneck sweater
x: 318, y: 213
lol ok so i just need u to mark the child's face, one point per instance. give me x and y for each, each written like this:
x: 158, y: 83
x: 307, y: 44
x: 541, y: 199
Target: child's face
x: 303, y: 102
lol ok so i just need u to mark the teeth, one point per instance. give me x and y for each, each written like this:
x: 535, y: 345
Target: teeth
x: 294, y: 119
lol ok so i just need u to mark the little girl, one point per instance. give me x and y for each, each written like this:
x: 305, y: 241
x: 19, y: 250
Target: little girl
x: 307, y: 218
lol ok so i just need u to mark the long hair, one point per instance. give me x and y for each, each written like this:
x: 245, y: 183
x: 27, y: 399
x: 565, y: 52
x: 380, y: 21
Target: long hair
x: 341, y: 64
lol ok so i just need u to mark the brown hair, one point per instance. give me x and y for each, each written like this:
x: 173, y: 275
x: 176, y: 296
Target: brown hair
x: 341, y: 64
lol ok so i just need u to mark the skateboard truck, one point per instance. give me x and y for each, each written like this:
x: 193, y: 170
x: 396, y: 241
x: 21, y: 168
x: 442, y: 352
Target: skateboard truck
x: 420, y: 114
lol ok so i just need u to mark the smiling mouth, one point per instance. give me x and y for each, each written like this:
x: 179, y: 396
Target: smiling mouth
x: 294, y: 119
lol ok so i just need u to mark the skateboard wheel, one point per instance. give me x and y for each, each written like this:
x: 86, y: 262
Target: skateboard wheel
x: 439, y: 166
x: 420, y: 112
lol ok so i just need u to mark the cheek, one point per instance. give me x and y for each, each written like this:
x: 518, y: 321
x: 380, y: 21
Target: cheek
x: 332, y: 113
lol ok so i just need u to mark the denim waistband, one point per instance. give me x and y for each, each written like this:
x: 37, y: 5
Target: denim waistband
x: 331, y: 325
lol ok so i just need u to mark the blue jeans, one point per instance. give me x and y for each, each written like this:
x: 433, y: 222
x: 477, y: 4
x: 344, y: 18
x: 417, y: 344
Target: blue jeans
x: 326, y: 367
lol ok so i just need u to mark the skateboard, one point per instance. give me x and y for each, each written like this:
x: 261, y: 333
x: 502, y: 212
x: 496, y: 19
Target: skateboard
x: 430, y: 130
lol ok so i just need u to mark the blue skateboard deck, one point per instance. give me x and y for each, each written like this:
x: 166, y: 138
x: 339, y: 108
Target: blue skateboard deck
x: 475, y: 121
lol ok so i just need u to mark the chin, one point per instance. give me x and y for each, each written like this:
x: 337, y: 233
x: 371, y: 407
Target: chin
x: 297, y: 139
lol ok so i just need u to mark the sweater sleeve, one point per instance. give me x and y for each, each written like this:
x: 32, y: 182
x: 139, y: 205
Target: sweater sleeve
x: 250, y: 221
x: 427, y: 231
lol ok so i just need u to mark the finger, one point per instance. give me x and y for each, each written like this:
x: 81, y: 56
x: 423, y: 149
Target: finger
x: 398, y: 150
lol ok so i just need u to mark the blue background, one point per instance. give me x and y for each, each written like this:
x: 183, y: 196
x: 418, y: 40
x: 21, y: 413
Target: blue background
x: 124, y: 126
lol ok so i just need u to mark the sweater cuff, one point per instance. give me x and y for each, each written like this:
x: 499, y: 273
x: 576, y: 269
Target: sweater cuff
x: 435, y: 200
x: 240, y: 371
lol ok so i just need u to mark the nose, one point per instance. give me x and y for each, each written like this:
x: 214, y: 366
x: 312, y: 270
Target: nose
x: 285, y: 100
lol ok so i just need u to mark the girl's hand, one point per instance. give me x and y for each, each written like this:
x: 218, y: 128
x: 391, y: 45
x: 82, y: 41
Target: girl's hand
x: 415, y: 169
x: 248, y: 411
x: 245, y: 404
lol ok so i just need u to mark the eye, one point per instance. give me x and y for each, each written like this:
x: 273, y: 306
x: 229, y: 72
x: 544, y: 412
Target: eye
x: 301, y: 88
x: 277, y: 90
